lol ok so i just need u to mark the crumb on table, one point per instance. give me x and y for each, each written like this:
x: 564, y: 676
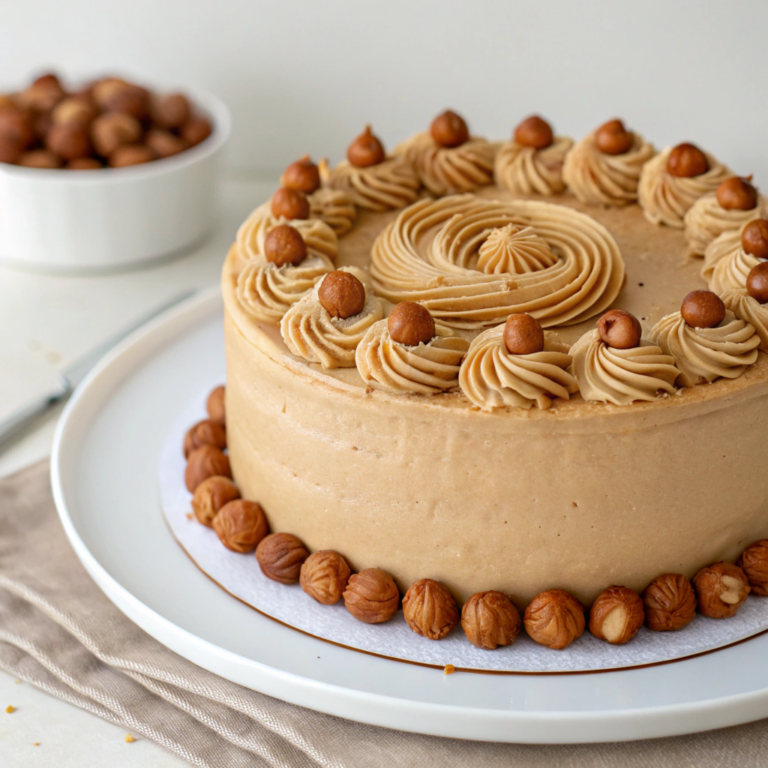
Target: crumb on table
x: 129, y: 738
x: 449, y: 669
x: 10, y: 709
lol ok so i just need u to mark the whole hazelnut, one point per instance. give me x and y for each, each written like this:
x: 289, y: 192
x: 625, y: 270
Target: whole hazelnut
x: 449, y: 129
x: 754, y: 238
x: 170, y: 110
x: 241, y: 525
x: 616, y: 615
x: 429, y: 609
x: 131, y: 154
x: 164, y: 143
x: 42, y: 96
x: 670, y: 603
x: 619, y: 329
x: 196, y: 130
x: 206, y: 432
x: 289, y: 204
x: 303, y: 175
x: 204, y: 462
x: 84, y: 164
x: 210, y: 496
x: 554, y: 618
x: 116, y: 95
x: 113, y: 130
x: 612, y: 138
x: 534, y: 132
x: 686, y: 161
x: 366, y: 150
x: 48, y: 80
x: 371, y: 596
x: 490, y: 619
x: 215, y: 405
x: 754, y: 563
x: 737, y: 194
x: 702, y: 309
x: 15, y: 134
x: 40, y: 158
x: 523, y: 335
x: 73, y: 110
x: 341, y: 294
x: 324, y: 576
x: 411, y: 324
x: 757, y: 282
x: 69, y: 141
x: 721, y: 589
x: 284, y: 245
x: 281, y: 556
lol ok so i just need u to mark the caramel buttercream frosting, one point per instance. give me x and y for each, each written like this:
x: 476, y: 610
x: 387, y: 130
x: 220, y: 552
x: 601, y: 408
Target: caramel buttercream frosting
x: 382, y: 187
x: 527, y: 170
x: 707, y: 219
x: 431, y: 254
x: 749, y: 310
x: 333, y: 206
x: 729, y: 270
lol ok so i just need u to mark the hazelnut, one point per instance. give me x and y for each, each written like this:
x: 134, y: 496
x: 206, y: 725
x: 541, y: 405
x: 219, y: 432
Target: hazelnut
x: 15, y: 134
x: 69, y: 141
x: 170, y: 110
x: 737, y: 194
x: 670, y: 602
x: 48, y: 80
x: 754, y: 238
x: 324, y: 576
x: 116, y: 95
x: 40, y: 158
x: 341, y: 294
x: 303, y: 175
x: 702, y: 309
x: 84, y: 164
x: 210, y: 496
x: 131, y: 154
x: 281, y: 556
x: 206, y: 432
x: 429, y: 609
x: 215, y: 405
x: 42, y: 96
x: 616, y: 615
x: 366, y: 150
x: 204, y: 462
x: 241, y: 525
x: 73, y: 110
x: 196, y: 130
x: 523, y: 335
x: 554, y: 618
x: 449, y: 129
x: 619, y: 329
x: 371, y: 596
x: 754, y: 563
x: 686, y: 161
x: 612, y: 138
x: 289, y: 204
x: 757, y: 282
x: 411, y: 324
x: 721, y: 589
x: 534, y: 132
x: 284, y: 245
x: 489, y: 619
x: 113, y: 130
x: 164, y: 143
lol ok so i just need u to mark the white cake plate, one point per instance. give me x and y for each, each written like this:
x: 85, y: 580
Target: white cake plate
x: 104, y: 476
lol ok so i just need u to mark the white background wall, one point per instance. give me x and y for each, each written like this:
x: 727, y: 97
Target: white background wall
x: 306, y: 76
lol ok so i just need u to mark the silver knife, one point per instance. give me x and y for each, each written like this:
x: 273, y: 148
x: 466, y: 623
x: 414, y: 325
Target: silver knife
x: 73, y: 374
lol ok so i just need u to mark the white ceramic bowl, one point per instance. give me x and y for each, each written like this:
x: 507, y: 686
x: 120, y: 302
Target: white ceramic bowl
x: 116, y: 217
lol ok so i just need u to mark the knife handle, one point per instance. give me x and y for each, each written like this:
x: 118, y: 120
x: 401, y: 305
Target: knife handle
x: 20, y: 419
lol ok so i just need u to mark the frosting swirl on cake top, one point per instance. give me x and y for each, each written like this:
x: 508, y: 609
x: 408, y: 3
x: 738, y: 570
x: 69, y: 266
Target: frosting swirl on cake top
x: 707, y: 220
x: 750, y: 310
x: 527, y: 170
x: 382, y: 187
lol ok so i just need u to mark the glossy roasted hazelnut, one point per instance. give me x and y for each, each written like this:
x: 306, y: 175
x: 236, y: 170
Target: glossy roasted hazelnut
x: 73, y: 110
x: 84, y: 164
x: 721, y: 589
x: 754, y: 563
x: 48, y: 80
x: 241, y: 525
x: 289, y: 204
x: 341, y: 294
x: 210, y: 496
x: 15, y: 134
x: 449, y: 129
x: 280, y: 557
x: 40, y: 158
x: 371, y: 596
x: 619, y: 329
x: 737, y: 194
x: 196, y: 130
x: 303, y: 175
x: 612, y: 138
x: 69, y: 141
x: 170, y: 110
x: 215, y: 405
x: 702, y: 309
x: 411, y: 324
x: 616, y: 615
x: 429, y: 609
x: 523, y: 335
x: 284, y: 245
x: 42, y: 96
x: 555, y: 619
x: 164, y: 143
x: 686, y: 161
x: 324, y: 576
x: 490, y: 619
x: 206, y: 432
x: 131, y: 154
x: 204, y: 462
x: 757, y: 282
x: 366, y: 150
x: 670, y: 603
x: 754, y: 238
x: 116, y: 95
x: 534, y: 132
x: 113, y: 130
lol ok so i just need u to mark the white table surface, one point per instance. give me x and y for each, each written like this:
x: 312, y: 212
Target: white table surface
x: 46, y: 322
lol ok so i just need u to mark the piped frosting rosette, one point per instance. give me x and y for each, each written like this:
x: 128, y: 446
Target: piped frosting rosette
x: 666, y: 198
x: 491, y: 377
x: 581, y: 278
x: 727, y: 264
x: 311, y: 333
x: 528, y: 171
x: 597, y: 178
x: 706, y: 354
x: 385, y: 186
x: 749, y: 310
x: 621, y: 376
x: 707, y: 220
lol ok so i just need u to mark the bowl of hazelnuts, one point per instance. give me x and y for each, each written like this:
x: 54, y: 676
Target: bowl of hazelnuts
x: 105, y: 175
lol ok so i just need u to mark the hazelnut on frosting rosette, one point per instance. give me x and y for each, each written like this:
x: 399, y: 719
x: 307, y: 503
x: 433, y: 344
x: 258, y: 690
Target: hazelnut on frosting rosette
x: 604, y: 167
x: 477, y: 269
x: 751, y: 303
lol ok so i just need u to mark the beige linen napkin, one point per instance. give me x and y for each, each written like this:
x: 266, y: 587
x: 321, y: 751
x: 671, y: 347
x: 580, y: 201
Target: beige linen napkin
x: 60, y: 633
